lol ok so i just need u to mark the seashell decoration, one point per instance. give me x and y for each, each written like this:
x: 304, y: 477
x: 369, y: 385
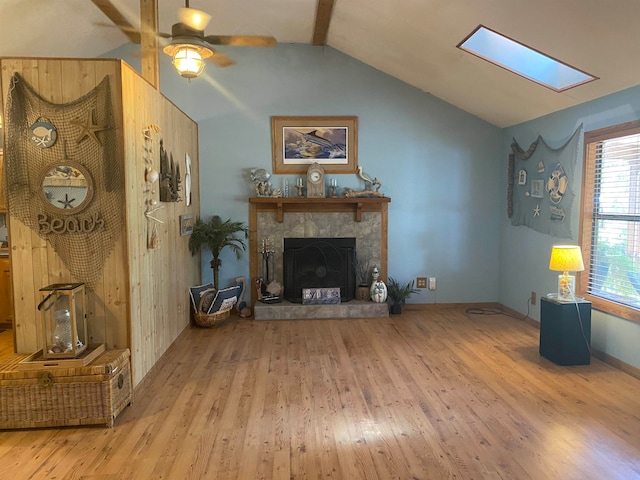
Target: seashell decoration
x: 151, y: 175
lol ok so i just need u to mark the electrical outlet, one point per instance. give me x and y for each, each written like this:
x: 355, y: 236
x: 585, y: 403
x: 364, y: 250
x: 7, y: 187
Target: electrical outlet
x: 533, y: 298
x: 421, y: 282
x: 432, y: 283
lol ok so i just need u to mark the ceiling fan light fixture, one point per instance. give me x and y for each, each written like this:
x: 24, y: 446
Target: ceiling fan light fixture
x: 188, y: 60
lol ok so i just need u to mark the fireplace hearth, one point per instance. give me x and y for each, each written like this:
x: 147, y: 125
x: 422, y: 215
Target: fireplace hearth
x: 318, y: 263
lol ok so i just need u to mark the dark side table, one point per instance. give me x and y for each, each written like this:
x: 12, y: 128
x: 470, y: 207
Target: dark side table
x: 561, y: 336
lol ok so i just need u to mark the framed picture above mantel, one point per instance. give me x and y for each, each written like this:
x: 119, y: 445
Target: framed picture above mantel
x: 297, y: 142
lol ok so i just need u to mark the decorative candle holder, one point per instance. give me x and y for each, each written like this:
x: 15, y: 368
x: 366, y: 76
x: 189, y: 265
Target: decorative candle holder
x: 299, y: 186
x: 333, y: 185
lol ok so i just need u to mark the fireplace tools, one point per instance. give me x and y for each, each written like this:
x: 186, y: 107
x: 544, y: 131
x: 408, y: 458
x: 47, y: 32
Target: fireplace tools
x: 267, y: 257
x: 269, y: 289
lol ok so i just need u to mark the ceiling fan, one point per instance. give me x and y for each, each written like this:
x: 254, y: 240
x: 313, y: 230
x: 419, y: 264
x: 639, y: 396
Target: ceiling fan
x: 189, y: 47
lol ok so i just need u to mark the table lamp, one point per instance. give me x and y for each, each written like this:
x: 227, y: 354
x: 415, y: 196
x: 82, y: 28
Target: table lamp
x: 566, y: 258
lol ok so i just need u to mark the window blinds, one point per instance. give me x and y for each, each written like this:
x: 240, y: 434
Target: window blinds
x: 611, y: 214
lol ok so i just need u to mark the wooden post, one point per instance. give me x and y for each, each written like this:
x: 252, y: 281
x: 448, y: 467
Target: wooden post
x: 149, y: 42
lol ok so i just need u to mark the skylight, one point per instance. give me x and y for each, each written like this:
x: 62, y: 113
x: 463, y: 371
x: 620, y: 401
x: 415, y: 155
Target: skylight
x: 522, y: 60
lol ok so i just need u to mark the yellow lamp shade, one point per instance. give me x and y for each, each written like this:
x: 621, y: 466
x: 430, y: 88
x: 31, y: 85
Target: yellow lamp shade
x: 566, y: 258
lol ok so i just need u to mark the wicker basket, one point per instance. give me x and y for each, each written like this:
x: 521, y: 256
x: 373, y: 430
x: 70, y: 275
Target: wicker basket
x: 65, y: 396
x: 210, y: 319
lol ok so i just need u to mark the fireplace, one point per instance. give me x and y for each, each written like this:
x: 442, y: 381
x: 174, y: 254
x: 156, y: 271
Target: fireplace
x: 365, y: 219
x: 318, y: 263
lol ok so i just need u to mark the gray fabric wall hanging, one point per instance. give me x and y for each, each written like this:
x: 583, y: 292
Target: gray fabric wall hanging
x: 541, y: 183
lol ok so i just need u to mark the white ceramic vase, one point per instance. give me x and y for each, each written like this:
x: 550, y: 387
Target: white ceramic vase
x: 378, y: 292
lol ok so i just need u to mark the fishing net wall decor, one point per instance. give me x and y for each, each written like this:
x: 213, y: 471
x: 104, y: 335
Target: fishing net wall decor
x: 540, y: 193
x: 82, y: 233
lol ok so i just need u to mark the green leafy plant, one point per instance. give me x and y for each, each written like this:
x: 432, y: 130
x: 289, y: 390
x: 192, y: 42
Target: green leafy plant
x: 397, y: 293
x: 216, y: 235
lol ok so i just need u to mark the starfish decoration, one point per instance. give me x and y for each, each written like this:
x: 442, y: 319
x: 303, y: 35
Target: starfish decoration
x: 88, y: 128
x: 67, y: 202
x: 41, y: 141
x: 149, y: 211
x: 536, y: 211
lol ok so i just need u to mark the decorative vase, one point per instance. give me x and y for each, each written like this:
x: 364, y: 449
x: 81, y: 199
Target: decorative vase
x: 362, y: 292
x: 378, y: 292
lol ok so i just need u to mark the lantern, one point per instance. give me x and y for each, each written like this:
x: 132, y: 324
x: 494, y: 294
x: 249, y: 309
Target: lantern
x: 64, y: 321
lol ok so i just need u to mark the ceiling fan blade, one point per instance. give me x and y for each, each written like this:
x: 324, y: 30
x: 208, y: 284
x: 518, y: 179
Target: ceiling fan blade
x: 241, y: 40
x: 220, y: 59
x: 130, y: 29
x: 193, y: 18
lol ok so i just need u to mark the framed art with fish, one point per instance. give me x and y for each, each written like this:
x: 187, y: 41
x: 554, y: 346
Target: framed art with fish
x: 297, y: 142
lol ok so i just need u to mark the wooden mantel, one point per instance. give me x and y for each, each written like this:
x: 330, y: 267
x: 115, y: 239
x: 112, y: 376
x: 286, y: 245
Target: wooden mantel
x: 280, y: 206
x: 356, y: 205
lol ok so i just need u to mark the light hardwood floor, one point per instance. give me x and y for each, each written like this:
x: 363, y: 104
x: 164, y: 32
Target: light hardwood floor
x: 424, y: 395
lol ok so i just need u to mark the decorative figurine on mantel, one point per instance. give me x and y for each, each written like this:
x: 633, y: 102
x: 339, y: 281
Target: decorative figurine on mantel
x: 261, y: 184
x: 371, y: 189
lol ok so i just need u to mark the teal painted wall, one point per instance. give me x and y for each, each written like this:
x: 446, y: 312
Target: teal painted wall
x: 524, y: 253
x: 440, y: 166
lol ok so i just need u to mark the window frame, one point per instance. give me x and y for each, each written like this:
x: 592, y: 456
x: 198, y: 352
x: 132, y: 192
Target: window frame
x: 586, y: 218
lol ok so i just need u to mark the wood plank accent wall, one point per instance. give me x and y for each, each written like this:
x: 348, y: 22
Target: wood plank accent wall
x: 159, y: 278
x: 141, y: 301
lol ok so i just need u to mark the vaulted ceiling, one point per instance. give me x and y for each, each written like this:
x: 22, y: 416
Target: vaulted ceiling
x: 412, y: 40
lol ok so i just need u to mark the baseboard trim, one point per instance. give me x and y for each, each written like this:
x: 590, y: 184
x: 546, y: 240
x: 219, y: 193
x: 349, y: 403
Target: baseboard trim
x: 520, y: 316
x: 604, y: 357
x: 159, y: 364
x: 482, y: 305
x: 617, y: 363
x: 438, y: 306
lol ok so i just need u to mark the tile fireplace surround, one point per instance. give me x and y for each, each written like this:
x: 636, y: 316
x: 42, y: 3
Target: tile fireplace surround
x: 365, y: 219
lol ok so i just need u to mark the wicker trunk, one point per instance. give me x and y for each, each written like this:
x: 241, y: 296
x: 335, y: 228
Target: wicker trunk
x: 53, y: 397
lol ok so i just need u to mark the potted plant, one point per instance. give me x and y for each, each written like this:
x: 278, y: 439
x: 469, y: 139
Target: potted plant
x: 361, y: 267
x: 215, y: 235
x: 397, y: 294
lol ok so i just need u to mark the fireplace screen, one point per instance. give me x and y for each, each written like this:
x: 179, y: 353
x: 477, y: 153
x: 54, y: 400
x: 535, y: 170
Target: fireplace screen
x: 319, y: 263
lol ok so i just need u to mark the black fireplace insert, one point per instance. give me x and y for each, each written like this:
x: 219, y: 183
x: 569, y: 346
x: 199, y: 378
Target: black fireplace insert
x: 319, y: 263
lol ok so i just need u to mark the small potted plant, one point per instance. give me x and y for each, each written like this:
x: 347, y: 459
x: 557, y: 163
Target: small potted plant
x: 215, y: 235
x: 361, y: 266
x: 397, y: 294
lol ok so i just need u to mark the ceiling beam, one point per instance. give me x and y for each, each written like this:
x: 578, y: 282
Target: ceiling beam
x: 113, y: 14
x: 323, y: 18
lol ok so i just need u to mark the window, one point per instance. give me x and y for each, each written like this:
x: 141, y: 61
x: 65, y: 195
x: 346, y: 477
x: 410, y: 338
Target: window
x: 610, y: 235
x: 522, y: 60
